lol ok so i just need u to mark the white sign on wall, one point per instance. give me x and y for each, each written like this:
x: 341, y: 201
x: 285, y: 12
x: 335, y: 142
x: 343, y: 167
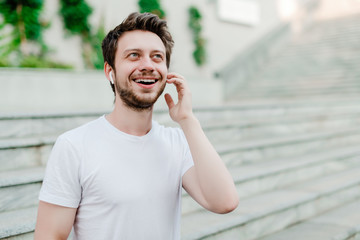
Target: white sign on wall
x: 239, y: 11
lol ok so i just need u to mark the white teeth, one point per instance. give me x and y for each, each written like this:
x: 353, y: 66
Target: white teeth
x: 145, y: 80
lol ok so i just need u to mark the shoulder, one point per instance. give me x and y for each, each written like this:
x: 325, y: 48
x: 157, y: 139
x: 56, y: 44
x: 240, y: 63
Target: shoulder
x: 77, y: 135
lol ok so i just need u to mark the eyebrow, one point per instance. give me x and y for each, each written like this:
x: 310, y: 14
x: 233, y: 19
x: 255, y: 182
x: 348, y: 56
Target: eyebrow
x: 140, y: 50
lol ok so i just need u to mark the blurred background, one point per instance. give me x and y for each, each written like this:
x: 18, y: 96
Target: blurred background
x: 276, y: 87
x: 211, y: 37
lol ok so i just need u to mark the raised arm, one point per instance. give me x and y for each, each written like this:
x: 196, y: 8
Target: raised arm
x: 54, y: 222
x: 208, y: 181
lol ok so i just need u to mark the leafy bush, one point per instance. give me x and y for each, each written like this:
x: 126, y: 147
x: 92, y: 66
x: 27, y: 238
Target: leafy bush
x: 151, y: 6
x: 199, y: 54
x: 75, y: 14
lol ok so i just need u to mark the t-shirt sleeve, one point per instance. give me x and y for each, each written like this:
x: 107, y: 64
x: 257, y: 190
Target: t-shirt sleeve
x: 61, y: 185
x: 188, y: 160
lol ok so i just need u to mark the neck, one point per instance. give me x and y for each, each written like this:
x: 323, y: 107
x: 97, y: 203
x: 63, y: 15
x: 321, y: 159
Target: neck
x: 130, y: 121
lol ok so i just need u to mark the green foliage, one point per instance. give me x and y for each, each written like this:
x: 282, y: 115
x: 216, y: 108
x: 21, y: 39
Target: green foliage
x: 151, y: 6
x: 96, y: 40
x: 16, y: 12
x: 4, y: 62
x: 17, y: 44
x: 24, y: 17
x: 75, y: 15
x: 199, y: 54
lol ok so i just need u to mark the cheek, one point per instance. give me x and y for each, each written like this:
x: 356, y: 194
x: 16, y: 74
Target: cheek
x: 127, y: 69
x: 163, y: 71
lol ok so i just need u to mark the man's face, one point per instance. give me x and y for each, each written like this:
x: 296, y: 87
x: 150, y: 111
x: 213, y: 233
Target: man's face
x: 141, y: 71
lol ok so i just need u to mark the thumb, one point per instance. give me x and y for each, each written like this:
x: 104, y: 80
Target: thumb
x: 169, y: 101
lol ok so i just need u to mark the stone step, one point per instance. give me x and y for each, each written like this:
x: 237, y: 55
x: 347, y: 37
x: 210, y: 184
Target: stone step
x: 324, y: 65
x: 17, y: 126
x: 329, y: 92
x: 316, y: 36
x: 304, y: 68
x: 320, y: 53
x: 250, y: 180
x: 334, y: 105
x: 18, y: 224
x: 245, y: 152
x: 277, y: 126
x: 336, y: 41
x: 314, y: 88
x: 270, y: 212
x: 341, y: 223
x: 25, y: 236
x: 281, y: 70
x: 24, y: 125
x: 24, y: 152
x: 20, y: 188
x: 317, y: 54
x: 31, y: 152
x: 251, y: 111
x: 293, y: 99
x: 319, y: 88
x: 309, y: 70
x: 271, y: 175
x: 327, y: 44
x: 305, y: 82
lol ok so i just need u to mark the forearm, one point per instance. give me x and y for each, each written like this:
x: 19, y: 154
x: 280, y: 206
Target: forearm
x: 216, y: 183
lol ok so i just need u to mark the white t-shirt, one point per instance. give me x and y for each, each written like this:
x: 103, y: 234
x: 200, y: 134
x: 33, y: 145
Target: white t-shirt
x: 125, y: 187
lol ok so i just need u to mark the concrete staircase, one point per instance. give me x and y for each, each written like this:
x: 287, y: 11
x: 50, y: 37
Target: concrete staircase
x: 289, y: 162
x: 292, y: 148
x: 297, y: 165
x: 321, y: 63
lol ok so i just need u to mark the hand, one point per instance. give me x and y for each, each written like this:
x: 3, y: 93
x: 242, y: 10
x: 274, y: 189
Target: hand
x: 182, y: 110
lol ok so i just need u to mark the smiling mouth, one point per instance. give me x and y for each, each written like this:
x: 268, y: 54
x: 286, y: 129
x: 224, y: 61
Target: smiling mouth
x: 146, y: 81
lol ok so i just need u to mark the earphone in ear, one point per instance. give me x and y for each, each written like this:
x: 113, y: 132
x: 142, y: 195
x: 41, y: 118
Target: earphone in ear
x: 111, y: 78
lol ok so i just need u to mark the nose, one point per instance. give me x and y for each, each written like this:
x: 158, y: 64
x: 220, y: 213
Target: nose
x: 146, y: 64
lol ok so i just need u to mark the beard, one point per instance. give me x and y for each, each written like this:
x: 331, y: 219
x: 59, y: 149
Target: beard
x: 135, y: 102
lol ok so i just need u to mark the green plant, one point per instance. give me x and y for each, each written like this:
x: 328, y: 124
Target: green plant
x: 75, y: 14
x: 151, y: 6
x: 24, y: 17
x: 96, y: 40
x: 199, y: 54
x: 23, y: 42
x: 4, y: 62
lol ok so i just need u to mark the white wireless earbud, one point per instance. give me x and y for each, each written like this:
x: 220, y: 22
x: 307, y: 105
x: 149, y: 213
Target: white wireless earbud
x: 111, y: 78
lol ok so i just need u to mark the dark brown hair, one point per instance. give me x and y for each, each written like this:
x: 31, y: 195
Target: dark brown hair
x: 137, y: 21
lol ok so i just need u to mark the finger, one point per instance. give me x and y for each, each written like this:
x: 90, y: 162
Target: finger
x: 176, y: 75
x: 169, y: 101
x: 179, y: 83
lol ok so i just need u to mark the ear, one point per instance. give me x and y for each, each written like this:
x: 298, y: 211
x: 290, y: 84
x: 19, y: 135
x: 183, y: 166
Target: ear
x: 108, y: 70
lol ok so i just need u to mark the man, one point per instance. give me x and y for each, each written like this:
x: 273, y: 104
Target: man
x: 120, y: 176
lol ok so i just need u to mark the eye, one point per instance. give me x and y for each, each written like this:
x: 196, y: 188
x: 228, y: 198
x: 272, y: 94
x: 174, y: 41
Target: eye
x: 133, y: 55
x: 158, y: 57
